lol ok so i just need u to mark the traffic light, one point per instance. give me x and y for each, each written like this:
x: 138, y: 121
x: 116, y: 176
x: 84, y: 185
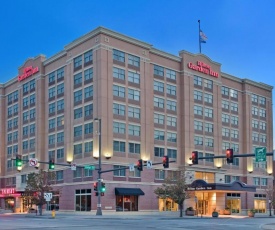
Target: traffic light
x: 95, y: 186
x: 140, y: 165
x: 102, y: 189
x: 165, y: 161
x: 18, y: 161
x: 195, y: 159
x: 229, y: 156
x: 51, y: 164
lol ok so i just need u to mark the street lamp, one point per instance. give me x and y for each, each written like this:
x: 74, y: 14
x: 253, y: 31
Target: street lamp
x: 269, y: 201
x: 99, y: 211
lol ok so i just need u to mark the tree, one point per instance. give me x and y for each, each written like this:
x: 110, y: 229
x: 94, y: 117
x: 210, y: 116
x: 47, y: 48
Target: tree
x: 175, y: 188
x: 37, y: 185
x: 269, y: 191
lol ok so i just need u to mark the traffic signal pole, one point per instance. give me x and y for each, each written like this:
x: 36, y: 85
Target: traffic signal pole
x: 99, y: 210
x: 235, y: 155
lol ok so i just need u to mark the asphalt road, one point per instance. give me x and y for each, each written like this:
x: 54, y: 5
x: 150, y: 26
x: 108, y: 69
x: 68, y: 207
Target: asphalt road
x: 133, y: 222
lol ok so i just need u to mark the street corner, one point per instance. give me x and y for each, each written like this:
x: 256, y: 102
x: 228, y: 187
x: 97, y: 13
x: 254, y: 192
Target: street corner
x: 268, y: 226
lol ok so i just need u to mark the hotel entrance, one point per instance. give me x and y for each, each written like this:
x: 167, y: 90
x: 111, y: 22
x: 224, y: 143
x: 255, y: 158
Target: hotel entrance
x: 202, y: 203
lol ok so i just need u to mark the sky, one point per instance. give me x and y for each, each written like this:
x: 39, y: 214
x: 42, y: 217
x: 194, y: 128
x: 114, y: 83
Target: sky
x: 240, y: 32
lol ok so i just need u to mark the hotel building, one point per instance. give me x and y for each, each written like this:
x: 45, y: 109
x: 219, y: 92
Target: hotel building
x: 150, y: 103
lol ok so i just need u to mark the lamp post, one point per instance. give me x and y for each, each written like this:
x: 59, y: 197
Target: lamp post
x: 269, y: 201
x: 99, y: 210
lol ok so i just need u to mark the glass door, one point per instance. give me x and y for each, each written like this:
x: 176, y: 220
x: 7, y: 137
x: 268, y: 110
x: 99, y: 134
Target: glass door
x: 234, y: 205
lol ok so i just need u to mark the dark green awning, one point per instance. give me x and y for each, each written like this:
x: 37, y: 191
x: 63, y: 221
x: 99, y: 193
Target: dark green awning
x: 129, y: 191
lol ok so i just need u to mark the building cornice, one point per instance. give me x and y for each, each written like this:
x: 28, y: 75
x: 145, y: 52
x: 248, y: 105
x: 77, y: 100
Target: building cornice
x: 164, y: 54
x: 55, y: 57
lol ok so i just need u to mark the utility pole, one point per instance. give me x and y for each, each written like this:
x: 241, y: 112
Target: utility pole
x: 99, y: 210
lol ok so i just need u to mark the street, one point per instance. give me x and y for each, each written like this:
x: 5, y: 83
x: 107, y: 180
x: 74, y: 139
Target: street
x: 124, y: 221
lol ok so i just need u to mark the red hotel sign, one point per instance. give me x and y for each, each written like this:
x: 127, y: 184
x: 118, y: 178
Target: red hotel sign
x: 27, y: 72
x: 6, y: 191
x: 203, y: 68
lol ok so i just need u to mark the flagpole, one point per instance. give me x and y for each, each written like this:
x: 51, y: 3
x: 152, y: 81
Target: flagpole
x: 199, y: 21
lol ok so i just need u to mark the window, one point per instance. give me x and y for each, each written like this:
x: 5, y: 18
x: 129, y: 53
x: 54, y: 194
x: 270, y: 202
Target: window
x: 171, y: 137
x: 135, y: 173
x: 10, y: 97
x: 256, y: 181
x: 32, y: 143
x: 225, y: 132
x: 171, y: 121
x: 25, y: 101
x: 198, y: 125
x: 119, y: 73
x: 208, y: 98
x: 159, y: 118
x: 88, y: 173
x: 52, y: 77
x: 88, y: 147
x: 159, y: 86
x: 78, y: 131
x: 159, y: 135
x: 121, y: 172
x: 78, y: 78
x: 88, y: 110
x: 225, y: 118
x: 15, y: 108
x: 119, y: 109
x: 233, y: 93
x: 9, y: 124
x: 52, y: 123
x: 264, y: 181
x: 159, y: 102
x: 225, y: 104
x: 198, y: 110
x: 208, y: 84
x: 51, y: 139
x: 60, y: 153
x: 172, y: 153
x: 88, y: 92
x: 255, y: 136
x: 77, y: 149
x: 88, y: 74
x: 263, y: 138
x: 78, y: 61
x: 15, y: 95
x: 25, y: 116
x: 225, y: 91
x: 118, y: 55
x: 262, y: 112
x: 119, y: 146
x: 32, y: 113
x: 88, y: 128
x: 209, y: 127
x: 234, y: 120
x: 134, y: 130
x: 60, y: 88
x: 209, y: 155
x: 262, y: 100
x: 159, y: 174
x: 171, y: 74
x: 59, y: 175
x: 198, y: 140
x: 235, y: 178
x: 88, y: 56
x: 133, y: 94
x: 60, y: 104
x: 133, y: 60
x: 119, y: 127
x: 225, y: 145
x: 208, y: 112
x: 60, y: 73
x: 52, y: 107
x: 23, y: 179
x: 25, y: 87
x: 171, y: 105
x: 25, y: 131
x: 9, y: 150
x: 9, y: 111
x: 25, y: 144
x: 209, y: 142
x: 60, y: 121
x: 197, y: 95
x: 134, y: 148
x: 159, y: 152
x: 15, y: 134
x: 78, y: 96
x: 234, y: 107
x: 234, y: 133
x: 227, y: 179
x: 32, y: 84
x: 171, y: 90
x: 118, y: 91
x: 158, y: 70
x: 78, y: 113
x: 133, y: 77
x: 262, y: 125
x: 235, y: 147
x: 78, y: 173
x: 134, y: 112
x: 197, y: 80
x: 254, y: 98
x: 51, y: 92
x: 255, y: 124
x: 15, y: 122
x: 60, y: 137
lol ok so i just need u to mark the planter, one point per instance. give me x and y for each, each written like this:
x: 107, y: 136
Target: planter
x: 190, y: 212
x: 215, y: 214
x: 251, y: 214
x: 226, y: 212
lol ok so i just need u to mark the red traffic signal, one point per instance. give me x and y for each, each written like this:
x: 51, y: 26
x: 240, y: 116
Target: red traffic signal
x: 195, y: 159
x: 229, y: 156
x: 140, y: 165
x: 165, y: 161
x: 95, y: 186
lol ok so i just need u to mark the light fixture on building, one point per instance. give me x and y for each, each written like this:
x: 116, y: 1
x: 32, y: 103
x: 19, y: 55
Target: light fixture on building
x: 108, y: 157
x: 250, y: 171
x: 218, y: 167
x: 69, y: 162
x: 220, y: 179
x: 190, y: 164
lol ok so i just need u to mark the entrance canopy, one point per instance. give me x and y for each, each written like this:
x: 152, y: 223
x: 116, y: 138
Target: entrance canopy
x: 128, y: 191
x: 201, y: 185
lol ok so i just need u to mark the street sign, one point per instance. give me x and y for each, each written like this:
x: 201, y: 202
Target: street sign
x: 149, y: 164
x: 131, y: 167
x: 273, y: 155
x: 33, y: 162
x: 73, y: 166
x: 48, y: 196
x: 90, y: 167
x: 260, y: 154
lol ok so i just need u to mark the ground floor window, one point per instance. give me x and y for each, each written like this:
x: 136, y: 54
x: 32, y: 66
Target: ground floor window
x: 126, y: 203
x: 260, y: 205
x: 233, y: 202
x: 167, y: 205
x: 9, y: 203
x: 83, y: 199
x: 54, y: 203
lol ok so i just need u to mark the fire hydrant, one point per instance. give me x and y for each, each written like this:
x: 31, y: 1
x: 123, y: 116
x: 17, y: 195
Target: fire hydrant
x: 53, y: 213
